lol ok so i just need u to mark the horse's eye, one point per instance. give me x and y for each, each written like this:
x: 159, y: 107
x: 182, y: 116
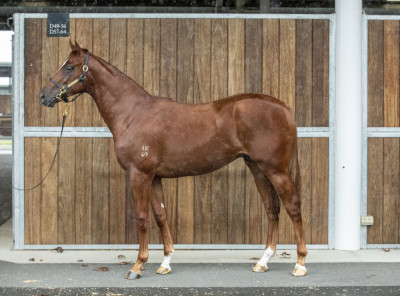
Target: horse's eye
x: 69, y: 68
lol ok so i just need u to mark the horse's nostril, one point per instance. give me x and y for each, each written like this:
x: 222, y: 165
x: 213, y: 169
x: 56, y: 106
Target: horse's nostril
x: 42, y: 97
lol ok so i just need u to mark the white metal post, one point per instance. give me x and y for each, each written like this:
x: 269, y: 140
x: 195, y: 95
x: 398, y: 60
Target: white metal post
x: 348, y: 124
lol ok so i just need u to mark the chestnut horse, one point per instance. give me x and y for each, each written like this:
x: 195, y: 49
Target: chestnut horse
x: 158, y: 138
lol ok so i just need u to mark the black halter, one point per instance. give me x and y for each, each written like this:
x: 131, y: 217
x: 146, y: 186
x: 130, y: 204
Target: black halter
x: 62, y: 95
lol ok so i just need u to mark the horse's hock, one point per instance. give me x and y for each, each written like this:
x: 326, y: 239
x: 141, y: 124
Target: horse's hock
x: 85, y: 200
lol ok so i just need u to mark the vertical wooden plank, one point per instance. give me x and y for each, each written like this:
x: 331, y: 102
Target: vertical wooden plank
x: 151, y: 83
x: 185, y: 68
x: 287, y: 61
x: 49, y: 218
x: 49, y: 116
x: 219, y: 89
x: 202, y: 94
x: 168, y: 89
x: 391, y: 191
x: 85, y: 105
x: 319, y: 209
x: 66, y: 192
x: 375, y: 189
x: 118, y: 58
x: 101, y: 190
x: 101, y: 48
x: 33, y: 206
x: 33, y: 71
x: 287, y: 75
x: 151, y: 56
x: 271, y: 57
x: 83, y: 190
x: 135, y: 34
x: 305, y: 150
x: 304, y: 73
x: 320, y: 92
x: 391, y: 73
x: 375, y: 74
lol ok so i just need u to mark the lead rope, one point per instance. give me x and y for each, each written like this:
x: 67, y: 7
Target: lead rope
x: 55, y: 154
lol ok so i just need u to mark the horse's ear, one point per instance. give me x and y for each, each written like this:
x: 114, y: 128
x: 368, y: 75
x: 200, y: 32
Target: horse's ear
x: 74, y: 47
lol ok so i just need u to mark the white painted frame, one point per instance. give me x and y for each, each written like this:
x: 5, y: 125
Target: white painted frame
x: 20, y: 131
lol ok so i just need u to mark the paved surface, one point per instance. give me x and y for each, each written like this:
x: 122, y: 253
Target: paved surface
x: 199, y: 279
x: 5, y: 190
x: 330, y: 272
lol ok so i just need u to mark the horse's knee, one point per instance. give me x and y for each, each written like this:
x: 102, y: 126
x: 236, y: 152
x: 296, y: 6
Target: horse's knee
x: 142, y: 221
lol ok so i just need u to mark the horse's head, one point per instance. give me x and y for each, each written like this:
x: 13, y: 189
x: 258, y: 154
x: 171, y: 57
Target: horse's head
x: 68, y: 80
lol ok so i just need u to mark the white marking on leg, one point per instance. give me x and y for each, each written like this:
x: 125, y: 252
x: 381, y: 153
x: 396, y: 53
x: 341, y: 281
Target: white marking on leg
x: 167, y: 261
x: 162, y: 205
x: 268, y: 253
x: 145, y: 151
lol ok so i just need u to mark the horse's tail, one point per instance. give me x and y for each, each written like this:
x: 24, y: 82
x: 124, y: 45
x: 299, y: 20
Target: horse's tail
x: 294, y: 168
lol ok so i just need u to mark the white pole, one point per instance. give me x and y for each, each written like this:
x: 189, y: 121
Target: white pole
x: 348, y: 125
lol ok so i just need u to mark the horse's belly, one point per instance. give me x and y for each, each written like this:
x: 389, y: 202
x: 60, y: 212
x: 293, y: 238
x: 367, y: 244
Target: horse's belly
x: 196, y: 162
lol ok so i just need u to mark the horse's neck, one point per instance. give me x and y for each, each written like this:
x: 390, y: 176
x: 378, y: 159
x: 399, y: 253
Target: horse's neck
x: 115, y: 94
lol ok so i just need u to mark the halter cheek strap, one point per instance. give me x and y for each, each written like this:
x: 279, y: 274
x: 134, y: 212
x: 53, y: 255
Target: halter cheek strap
x: 62, y: 95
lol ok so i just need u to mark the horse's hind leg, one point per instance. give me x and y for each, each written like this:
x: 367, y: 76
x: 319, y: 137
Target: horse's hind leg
x: 291, y: 200
x: 272, y: 207
x: 160, y: 214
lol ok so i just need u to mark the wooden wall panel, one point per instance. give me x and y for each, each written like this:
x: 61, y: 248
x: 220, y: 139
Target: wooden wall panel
x: 191, y: 61
x: 384, y: 190
x: 383, y: 73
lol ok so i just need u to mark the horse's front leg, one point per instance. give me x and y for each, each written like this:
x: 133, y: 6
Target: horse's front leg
x: 141, y: 187
x: 160, y: 214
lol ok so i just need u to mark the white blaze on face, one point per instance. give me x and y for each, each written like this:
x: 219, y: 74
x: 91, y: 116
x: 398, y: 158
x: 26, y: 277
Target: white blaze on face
x: 63, y: 63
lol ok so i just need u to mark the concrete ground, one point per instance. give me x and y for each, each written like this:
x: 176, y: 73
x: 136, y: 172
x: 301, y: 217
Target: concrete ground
x: 211, y: 272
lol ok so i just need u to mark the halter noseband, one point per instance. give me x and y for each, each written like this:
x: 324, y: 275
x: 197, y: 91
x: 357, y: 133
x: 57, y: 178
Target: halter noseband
x: 62, y: 95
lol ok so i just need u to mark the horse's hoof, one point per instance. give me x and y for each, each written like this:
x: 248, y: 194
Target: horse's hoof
x: 299, y: 270
x: 163, y: 270
x: 132, y: 275
x: 260, y: 268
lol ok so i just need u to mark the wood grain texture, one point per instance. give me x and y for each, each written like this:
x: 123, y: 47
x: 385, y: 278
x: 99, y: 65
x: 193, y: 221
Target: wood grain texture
x: 375, y: 73
x: 83, y: 190
x: 320, y: 80
x: 375, y: 189
x: 287, y: 62
x: 33, y: 198
x: 391, y: 73
x: 101, y: 190
x: 33, y: 71
x: 271, y: 54
x: 49, y: 214
x: 391, y: 191
x: 304, y: 72
x: 66, y: 192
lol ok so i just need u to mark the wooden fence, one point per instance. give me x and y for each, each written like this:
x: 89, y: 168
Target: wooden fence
x: 85, y: 200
